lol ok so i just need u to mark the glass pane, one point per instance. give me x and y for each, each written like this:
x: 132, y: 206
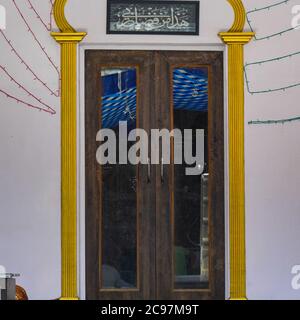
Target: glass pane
x: 191, y: 247
x: 119, y: 185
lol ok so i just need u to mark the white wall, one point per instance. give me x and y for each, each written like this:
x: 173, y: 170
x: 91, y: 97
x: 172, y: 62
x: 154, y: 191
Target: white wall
x: 30, y: 144
x: 30, y: 157
x: 272, y: 158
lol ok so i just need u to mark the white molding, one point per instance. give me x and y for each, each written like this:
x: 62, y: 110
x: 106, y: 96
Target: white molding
x: 189, y: 46
x: 226, y: 177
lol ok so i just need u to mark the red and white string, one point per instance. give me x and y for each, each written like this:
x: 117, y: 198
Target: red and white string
x: 35, y: 37
x: 28, y: 68
x: 48, y: 25
x: 27, y: 91
x: 26, y: 103
x: 45, y: 107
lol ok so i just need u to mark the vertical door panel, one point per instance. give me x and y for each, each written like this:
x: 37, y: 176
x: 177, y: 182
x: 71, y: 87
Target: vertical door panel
x: 190, y: 208
x: 119, y: 198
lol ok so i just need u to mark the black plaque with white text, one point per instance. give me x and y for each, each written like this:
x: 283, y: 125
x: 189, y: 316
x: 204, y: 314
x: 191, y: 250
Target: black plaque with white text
x: 152, y: 17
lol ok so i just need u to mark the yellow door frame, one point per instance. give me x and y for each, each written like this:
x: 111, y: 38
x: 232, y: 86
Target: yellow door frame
x: 235, y: 39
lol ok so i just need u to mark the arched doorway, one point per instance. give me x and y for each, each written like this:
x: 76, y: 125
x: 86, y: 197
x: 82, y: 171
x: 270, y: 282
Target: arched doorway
x: 235, y: 38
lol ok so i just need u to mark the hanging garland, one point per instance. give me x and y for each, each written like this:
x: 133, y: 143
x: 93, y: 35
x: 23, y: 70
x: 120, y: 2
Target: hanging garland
x: 279, y: 121
x: 47, y: 25
x: 267, y: 8
x: 44, y: 107
x: 247, y: 65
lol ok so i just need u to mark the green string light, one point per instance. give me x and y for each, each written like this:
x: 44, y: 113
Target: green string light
x: 247, y: 65
x: 269, y: 60
x: 267, y: 8
x: 280, y: 121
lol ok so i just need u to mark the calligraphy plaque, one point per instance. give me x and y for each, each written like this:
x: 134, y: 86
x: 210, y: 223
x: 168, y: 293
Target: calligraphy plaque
x: 152, y: 17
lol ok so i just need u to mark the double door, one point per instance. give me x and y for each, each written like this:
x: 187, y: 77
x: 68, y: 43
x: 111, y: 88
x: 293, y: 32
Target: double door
x: 154, y: 148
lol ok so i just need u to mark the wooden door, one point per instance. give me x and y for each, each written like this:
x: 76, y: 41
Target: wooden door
x: 120, y: 198
x: 190, y: 246
x: 151, y: 231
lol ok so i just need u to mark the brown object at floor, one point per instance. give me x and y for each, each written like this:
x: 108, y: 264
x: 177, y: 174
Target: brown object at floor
x: 21, y: 293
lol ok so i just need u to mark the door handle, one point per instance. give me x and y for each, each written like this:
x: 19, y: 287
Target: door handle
x: 162, y: 171
x: 149, y: 171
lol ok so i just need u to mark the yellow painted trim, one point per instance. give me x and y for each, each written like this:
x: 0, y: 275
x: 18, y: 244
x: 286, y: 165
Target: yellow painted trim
x: 75, y: 37
x: 235, y: 42
x: 239, y: 15
x: 240, y: 38
x: 59, y: 16
x: 68, y: 43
